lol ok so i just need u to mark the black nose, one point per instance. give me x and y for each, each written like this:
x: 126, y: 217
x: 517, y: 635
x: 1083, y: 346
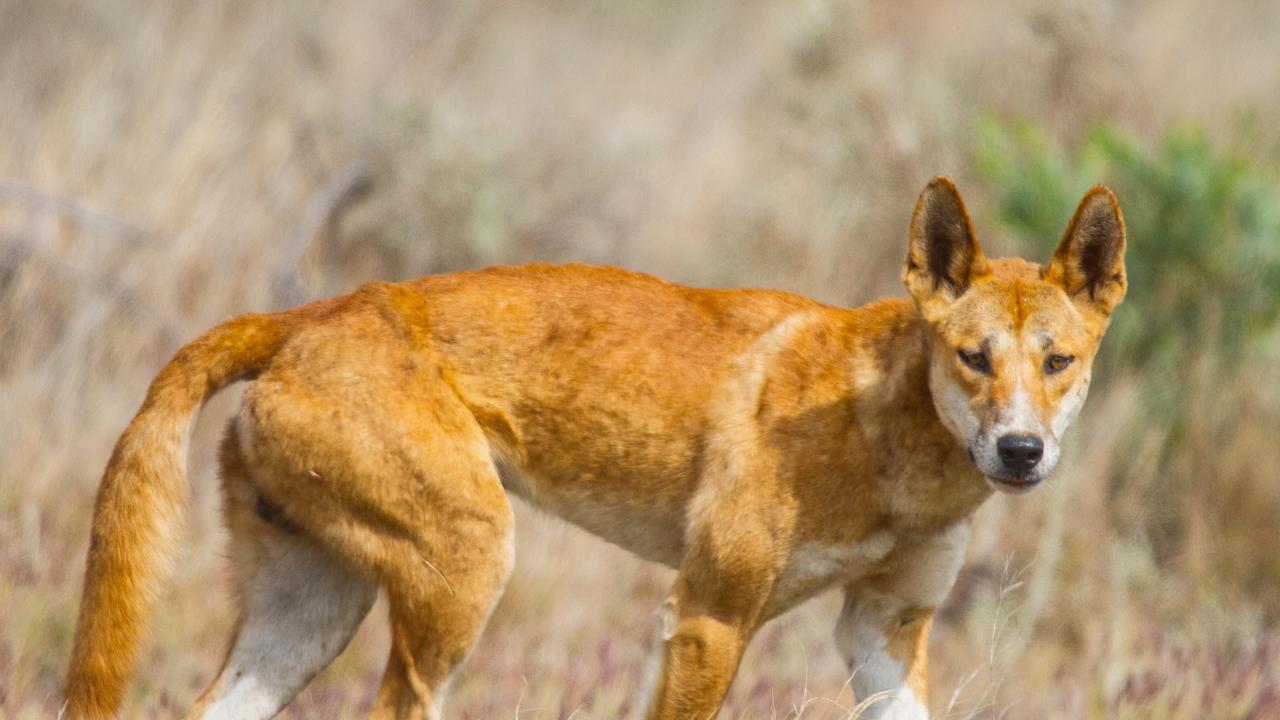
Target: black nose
x: 1020, y: 453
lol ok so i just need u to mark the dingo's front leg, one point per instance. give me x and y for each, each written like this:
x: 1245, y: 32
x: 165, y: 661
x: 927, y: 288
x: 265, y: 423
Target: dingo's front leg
x: 883, y: 631
x: 739, y: 527
x: 886, y: 647
x: 711, y: 614
x: 700, y: 654
x: 703, y: 630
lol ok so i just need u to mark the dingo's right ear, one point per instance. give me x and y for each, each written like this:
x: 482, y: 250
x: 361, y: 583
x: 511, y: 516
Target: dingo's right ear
x: 943, y: 256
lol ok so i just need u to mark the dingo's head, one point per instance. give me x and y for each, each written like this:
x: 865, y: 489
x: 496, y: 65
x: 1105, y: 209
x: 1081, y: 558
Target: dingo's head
x: 1012, y: 343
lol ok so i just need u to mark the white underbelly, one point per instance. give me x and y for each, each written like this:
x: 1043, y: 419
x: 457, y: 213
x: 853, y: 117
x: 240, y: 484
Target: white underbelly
x: 631, y: 528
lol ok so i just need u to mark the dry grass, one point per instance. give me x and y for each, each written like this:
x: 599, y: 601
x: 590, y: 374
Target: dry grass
x: 163, y: 162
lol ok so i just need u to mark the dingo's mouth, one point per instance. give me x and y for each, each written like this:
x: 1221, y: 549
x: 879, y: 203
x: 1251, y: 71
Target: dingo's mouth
x: 1014, y: 484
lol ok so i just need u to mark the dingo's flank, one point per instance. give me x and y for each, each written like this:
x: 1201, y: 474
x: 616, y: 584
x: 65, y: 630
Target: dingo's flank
x: 767, y: 446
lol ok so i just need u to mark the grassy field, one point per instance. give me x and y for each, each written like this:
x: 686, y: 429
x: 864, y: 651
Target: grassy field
x: 165, y: 166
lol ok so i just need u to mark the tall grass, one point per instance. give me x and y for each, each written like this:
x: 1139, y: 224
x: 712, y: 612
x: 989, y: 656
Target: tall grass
x: 165, y: 166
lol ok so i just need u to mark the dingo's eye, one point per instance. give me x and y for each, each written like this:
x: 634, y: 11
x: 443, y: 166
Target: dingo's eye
x: 1057, y: 363
x: 976, y: 360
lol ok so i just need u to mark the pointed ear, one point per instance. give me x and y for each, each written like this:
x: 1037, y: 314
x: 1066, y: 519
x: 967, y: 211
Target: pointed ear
x: 943, y: 256
x: 1089, y: 261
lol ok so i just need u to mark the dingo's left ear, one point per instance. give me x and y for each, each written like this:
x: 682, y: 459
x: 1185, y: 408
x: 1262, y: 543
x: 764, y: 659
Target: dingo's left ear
x: 943, y: 256
x: 1089, y: 261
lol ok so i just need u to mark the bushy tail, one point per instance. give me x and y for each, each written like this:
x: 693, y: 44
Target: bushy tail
x: 138, y: 512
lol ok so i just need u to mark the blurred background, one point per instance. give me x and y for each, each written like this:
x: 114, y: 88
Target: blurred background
x: 164, y: 166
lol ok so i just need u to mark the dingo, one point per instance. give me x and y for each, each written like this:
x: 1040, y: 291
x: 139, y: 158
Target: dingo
x: 767, y: 446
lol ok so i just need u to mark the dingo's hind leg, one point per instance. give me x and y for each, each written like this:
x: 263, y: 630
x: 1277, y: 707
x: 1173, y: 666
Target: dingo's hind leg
x: 444, y: 568
x: 439, y: 607
x: 298, y: 605
x: 436, y: 531
x: 397, y: 480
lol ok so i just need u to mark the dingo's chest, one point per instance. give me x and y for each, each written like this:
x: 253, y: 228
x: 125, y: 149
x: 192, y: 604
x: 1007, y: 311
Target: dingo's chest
x: 814, y: 566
